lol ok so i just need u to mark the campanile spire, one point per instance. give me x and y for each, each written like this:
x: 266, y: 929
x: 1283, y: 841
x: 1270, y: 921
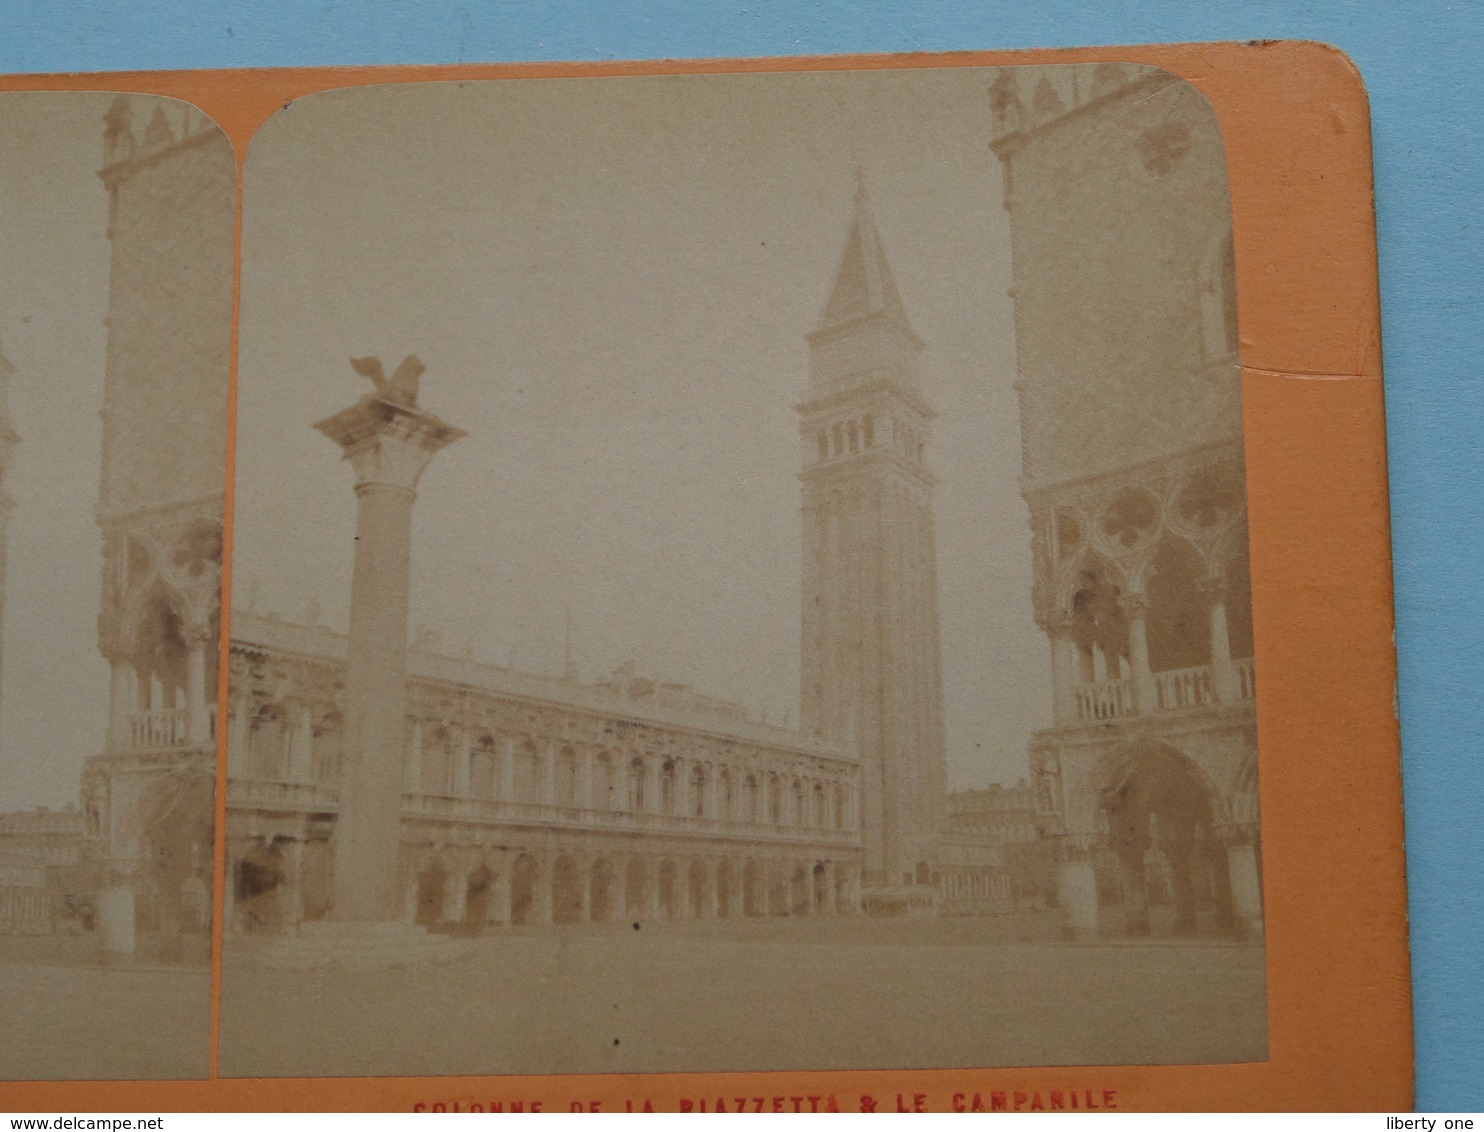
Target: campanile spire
x: 872, y: 670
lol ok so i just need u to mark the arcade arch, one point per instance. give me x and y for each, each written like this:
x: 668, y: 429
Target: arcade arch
x: 1168, y: 865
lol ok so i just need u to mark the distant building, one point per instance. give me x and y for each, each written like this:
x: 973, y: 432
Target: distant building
x: 48, y: 878
x: 1131, y: 426
x: 1007, y: 819
x: 533, y: 799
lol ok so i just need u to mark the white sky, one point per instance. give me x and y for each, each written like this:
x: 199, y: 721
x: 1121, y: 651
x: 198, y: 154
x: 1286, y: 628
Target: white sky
x: 610, y: 281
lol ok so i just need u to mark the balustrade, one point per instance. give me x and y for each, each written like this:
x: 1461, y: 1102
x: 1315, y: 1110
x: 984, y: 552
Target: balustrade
x: 499, y: 811
x: 1175, y: 690
x: 1105, y: 699
x: 1246, y: 679
x: 169, y: 727
x: 281, y: 795
x: 1183, y: 688
x: 306, y: 797
x: 150, y: 730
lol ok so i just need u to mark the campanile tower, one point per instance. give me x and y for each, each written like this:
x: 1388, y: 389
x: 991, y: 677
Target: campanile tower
x: 872, y: 674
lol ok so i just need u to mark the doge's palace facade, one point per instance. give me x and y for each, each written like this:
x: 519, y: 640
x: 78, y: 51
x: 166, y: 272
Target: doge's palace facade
x: 149, y: 797
x: 1131, y: 428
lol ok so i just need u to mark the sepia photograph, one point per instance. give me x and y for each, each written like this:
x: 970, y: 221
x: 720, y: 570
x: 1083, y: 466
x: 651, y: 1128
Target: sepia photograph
x: 117, y: 218
x: 733, y: 573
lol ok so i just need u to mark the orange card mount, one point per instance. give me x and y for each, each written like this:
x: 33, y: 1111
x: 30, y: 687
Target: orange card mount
x: 520, y: 761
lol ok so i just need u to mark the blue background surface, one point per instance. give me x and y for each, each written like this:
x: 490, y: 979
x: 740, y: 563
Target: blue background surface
x: 1421, y: 62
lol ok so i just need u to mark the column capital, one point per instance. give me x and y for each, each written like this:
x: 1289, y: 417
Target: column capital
x: 1211, y: 590
x: 1057, y: 624
x: 196, y: 633
x: 1238, y: 833
x: 388, y: 443
x: 1074, y: 846
x: 1134, y: 605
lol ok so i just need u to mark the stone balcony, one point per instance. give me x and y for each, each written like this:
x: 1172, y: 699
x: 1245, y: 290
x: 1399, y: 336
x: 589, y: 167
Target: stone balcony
x: 170, y: 728
x: 306, y: 798
x: 1179, y: 689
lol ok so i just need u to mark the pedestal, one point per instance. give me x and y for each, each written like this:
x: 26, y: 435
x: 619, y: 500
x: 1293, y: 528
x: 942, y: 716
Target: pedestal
x: 116, y: 920
x: 1077, y: 893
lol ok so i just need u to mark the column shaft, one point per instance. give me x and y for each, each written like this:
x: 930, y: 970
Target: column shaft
x: 301, y: 764
x: 1138, y: 656
x: 461, y: 768
x: 368, y: 831
x: 197, y: 733
x: 1077, y: 894
x: 1224, y: 683
x: 121, y: 700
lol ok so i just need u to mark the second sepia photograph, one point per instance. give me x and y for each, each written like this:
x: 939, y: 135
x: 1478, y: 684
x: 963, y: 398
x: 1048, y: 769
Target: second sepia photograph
x: 741, y: 573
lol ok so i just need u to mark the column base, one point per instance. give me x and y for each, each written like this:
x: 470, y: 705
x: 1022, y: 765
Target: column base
x: 116, y: 923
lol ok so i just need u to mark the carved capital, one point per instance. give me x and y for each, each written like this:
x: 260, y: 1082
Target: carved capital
x: 1057, y: 624
x: 1072, y: 847
x: 388, y: 444
x: 1134, y: 605
x: 1211, y: 590
x: 1238, y: 833
x: 197, y: 633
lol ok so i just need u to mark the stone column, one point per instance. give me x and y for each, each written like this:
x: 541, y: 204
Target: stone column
x: 1246, y: 878
x: 116, y: 910
x: 713, y: 791
x: 727, y: 902
x: 198, y: 734
x: 585, y: 778
x: 456, y: 893
x: 652, y: 785
x: 143, y: 689
x: 301, y: 765
x: 229, y: 890
x: 121, y: 700
x: 499, y: 912
x: 1141, y: 680
x: 681, y: 796
x: 292, y: 900
x: 652, y: 891
x: 239, y: 760
x: 461, y: 767
x: 1076, y: 888
x: 410, y: 892
x: 542, y: 897
x: 710, y: 897
x: 505, y: 771
x: 412, y: 767
x: 388, y: 442
x: 546, y: 783
x: 831, y: 894
x: 1224, y: 683
x: 619, y: 895
x: 584, y: 866
x: 1064, y: 663
x: 1135, y: 892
